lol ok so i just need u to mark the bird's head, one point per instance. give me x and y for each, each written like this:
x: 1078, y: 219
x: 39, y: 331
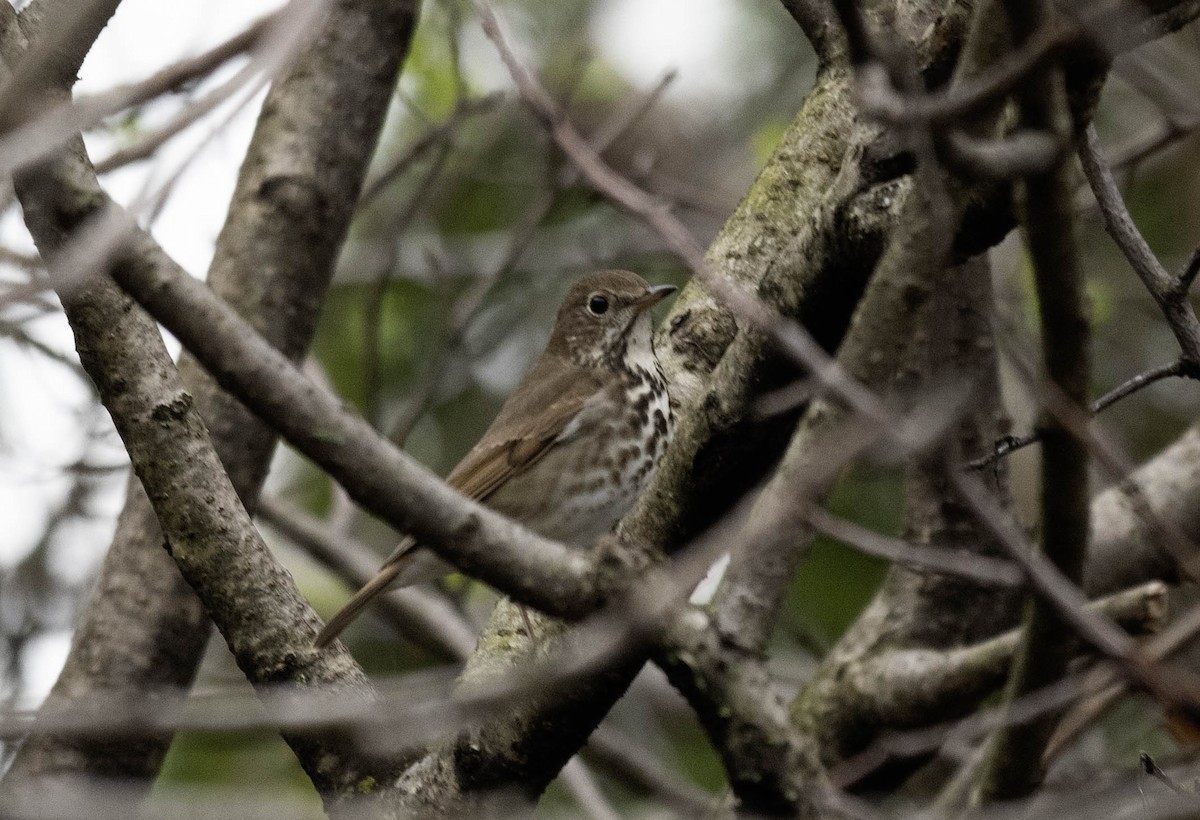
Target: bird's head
x: 605, y: 318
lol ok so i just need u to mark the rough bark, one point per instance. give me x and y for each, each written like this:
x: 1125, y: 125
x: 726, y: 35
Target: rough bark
x: 253, y: 600
x: 1125, y: 547
x: 143, y: 627
x: 915, y: 609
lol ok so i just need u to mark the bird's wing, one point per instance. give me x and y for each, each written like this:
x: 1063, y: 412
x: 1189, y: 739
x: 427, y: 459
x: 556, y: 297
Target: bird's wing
x: 546, y: 408
x: 549, y: 405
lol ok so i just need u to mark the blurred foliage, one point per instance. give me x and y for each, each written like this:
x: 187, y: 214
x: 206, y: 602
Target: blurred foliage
x: 260, y: 766
x: 834, y: 582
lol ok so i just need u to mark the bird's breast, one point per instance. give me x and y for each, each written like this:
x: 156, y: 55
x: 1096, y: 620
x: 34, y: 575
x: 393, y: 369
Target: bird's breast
x: 582, y: 486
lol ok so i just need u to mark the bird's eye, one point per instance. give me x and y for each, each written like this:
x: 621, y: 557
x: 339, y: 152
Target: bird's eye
x: 597, y: 304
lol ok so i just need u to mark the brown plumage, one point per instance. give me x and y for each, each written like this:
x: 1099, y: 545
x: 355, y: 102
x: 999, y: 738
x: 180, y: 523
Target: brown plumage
x: 574, y: 443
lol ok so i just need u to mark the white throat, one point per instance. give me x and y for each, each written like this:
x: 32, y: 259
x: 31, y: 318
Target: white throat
x: 639, y: 347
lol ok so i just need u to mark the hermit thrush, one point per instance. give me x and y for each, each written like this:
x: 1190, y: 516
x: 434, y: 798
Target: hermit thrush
x: 576, y: 441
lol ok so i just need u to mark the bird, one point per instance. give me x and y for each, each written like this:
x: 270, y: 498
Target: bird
x: 576, y: 441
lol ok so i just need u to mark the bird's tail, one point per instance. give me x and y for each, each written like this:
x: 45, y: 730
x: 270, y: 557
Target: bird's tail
x: 406, y: 566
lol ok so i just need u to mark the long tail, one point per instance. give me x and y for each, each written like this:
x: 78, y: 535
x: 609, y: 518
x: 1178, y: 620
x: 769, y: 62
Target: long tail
x: 346, y: 615
x: 406, y: 566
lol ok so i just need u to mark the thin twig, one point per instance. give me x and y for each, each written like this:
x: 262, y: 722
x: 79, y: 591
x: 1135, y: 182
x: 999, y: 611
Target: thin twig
x: 979, y: 568
x: 1143, y: 146
x: 578, y: 779
x: 433, y: 135
x: 375, y: 295
x: 22, y: 337
x: 1167, y: 535
x: 1010, y: 444
x: 38, y: 138
x: 275, y: 46
x: 1049, y: 582
x: 594, y: 169
x: 1183, y: 283
x: 1120, y: 225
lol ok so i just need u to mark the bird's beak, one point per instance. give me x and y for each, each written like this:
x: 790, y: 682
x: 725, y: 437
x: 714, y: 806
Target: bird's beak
x: 652, y: 297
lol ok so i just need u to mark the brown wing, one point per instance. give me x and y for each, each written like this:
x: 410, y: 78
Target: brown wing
x: 543, y: 406
x: 547, y: 400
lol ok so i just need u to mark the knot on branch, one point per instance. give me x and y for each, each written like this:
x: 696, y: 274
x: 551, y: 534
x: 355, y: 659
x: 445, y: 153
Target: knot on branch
x: 173, y: 411
x: 295, y: 195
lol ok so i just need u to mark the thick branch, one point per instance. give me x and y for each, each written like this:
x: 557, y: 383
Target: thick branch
x: 265, y: 620
x: 143, y: 628
x: 1125, y: 546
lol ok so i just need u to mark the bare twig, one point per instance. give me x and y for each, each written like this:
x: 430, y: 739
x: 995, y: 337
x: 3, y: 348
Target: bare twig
x: 1143, y: 146
x: 375, y: 296
x: 22, y: 337
x: 1162, y: 286
x: 434, y: 135
x: 1047, y: 580
x: 1133, y: 384
x: 583, y: 786
x: 278, y: 44
x: 42, y: 136
x: 979, y: 568
x: 28, y: 261
x: 593, y: 168
x: 1188, y: 275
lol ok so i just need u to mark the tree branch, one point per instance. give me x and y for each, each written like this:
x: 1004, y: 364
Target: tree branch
x: 1010, y: 444
x: 144, y: 628
x: 816, y: 20
x: 265, y: 620
x: 1171, y: 299
x: 1014, y: 765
